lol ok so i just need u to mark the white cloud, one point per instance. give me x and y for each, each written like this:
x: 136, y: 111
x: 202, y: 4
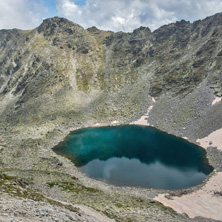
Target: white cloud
x: 126, y: 15
x: 23, y: 14
x: 116, y: 15
x: 68, y: 8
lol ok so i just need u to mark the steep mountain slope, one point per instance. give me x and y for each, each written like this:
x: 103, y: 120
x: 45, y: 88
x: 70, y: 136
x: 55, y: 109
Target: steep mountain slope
x: 60, y: 77
x: 62, y: 71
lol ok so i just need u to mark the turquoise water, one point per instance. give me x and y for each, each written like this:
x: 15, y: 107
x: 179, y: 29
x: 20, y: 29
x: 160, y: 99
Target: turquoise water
x: 134, y: 155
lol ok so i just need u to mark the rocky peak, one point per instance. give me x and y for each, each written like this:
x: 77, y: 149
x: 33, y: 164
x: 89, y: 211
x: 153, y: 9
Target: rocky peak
x: 99, y: 34
x: 142, y: 29
x: 182, y: 23
x: 179, y: 29
x: 93, y: 29
x: 142, y: 33
x: 56, y: 25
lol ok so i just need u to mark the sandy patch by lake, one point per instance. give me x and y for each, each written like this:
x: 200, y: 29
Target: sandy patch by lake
x: 144, y: 119
x: 216, y: 100
x: 205, y: 202
x: 214, y: 139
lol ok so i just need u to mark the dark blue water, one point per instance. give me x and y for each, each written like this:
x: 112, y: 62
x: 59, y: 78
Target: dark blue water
x: 134, y: 155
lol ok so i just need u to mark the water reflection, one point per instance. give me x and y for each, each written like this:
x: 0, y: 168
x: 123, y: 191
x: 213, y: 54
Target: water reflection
x: 136, y: 156
x: 132, y: 172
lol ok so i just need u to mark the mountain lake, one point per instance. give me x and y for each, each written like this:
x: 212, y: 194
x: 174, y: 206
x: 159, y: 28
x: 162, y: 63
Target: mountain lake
x: 138, y: 156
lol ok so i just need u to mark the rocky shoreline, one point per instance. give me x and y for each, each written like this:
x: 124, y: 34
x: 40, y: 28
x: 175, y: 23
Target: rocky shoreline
x: 198, y: 201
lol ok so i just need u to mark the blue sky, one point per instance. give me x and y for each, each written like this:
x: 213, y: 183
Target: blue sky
x: 81, y: 2
x: 115, y: 15
x: 51, y: 6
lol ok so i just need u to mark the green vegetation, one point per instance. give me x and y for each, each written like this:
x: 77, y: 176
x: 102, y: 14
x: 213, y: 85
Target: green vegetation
x: 18, y: 187
x: 73, y: 187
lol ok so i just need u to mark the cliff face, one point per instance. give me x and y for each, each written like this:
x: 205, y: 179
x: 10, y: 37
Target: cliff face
x: 60, y: 72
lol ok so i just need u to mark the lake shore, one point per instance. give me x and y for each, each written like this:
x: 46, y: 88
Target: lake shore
x: 206, y: 201
x: 40, y: 160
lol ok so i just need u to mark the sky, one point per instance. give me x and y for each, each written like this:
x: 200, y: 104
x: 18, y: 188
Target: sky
x: 114, y: 15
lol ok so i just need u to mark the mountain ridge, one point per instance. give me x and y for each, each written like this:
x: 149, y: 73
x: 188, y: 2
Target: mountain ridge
x: 174, y: 59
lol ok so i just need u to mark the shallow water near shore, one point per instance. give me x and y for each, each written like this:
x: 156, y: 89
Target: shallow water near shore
x: 133, y: 155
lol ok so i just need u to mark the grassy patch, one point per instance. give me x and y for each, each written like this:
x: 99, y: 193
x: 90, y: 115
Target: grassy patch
x: 18, y: 187
x: 27, y: 31
x: 119, y: 205
x: 73, y: 187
